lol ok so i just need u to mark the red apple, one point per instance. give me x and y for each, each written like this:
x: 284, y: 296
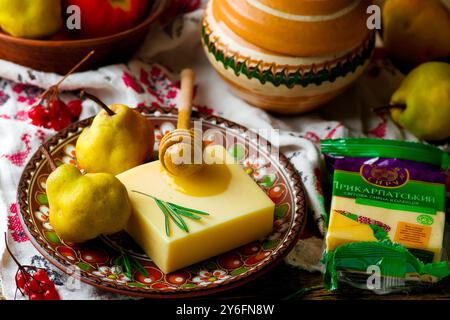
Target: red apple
x: 100, y: 18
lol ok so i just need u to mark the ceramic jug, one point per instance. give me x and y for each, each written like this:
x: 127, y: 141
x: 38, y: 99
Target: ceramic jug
x: 288, y: 56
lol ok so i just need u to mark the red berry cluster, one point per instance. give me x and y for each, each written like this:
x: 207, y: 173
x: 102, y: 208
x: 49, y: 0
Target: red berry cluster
x: 57, y: 115
x: 51, y: 112
x: 33, y: 282
x: 36, y: 286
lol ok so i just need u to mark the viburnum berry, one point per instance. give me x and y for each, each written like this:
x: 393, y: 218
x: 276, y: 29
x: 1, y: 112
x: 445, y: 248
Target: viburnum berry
x: 55, y: 113
x: 33, y: 281
x: 56, y: 108
x: 74, y: 108
x: 38, y: 114
x: 37, y: 123
x: 33, y: 285
x: 37, y: 296
x: 48, y: 125
x: 42, y: 276
x: 51, y: 294
x: 62, y: 122
x: 20, y: 280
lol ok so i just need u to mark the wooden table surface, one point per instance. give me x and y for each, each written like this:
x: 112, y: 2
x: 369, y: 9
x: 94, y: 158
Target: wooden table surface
x: 284, y: 280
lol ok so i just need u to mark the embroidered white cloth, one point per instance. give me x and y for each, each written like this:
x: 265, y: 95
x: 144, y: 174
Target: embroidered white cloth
x: 144, y: 81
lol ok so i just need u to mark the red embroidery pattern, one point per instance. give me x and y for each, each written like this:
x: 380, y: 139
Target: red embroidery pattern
x: 311, y: 136
x: 318, y: 178
x: 14, y: 225
x: 3, y: 98
x: 172, y: 94
x: 155, y: 82
x: 26, y: 93
x: 333, y: 131
x: 18, y: 158
x: 204, y: 109
x: 381, y: 129
x: 131, y: 82
x: 21, y: 115
x: 143, y: 77
x: 159, y: 85
x: 40, y: 135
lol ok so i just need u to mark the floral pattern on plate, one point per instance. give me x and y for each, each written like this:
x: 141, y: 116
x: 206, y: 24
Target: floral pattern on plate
x: 117, y: 264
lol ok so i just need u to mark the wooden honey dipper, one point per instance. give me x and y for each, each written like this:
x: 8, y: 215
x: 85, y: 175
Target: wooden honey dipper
x: 175, y: 145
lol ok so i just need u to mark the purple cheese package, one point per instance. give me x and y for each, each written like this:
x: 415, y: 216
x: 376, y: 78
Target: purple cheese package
x: 387, y: 213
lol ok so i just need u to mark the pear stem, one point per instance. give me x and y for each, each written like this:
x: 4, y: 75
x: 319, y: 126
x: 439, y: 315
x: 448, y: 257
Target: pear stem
x: 49, y: 158
x: 389, y: 107
x: 84, y: 94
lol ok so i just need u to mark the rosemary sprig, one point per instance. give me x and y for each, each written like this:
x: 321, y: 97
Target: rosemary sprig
x: 166, y: 215
x: 175, y: 213
x: 187, y: 214
x: 189, y: 210
x: 128, y: 269
x: 177, y: 219
x: 129, y: 264
x: 137, y: 266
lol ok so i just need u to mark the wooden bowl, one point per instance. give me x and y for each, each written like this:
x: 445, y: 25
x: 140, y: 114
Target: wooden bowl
x: 61, y: 56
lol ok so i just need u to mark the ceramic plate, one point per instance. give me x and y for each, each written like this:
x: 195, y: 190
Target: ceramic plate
x: 105, y: 261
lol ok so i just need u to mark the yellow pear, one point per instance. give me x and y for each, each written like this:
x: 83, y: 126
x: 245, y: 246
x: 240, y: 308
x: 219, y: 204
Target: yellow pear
x: 83, y: 207
x: 115, y: 142
x: 422, y: 103
x: 416, y: 31
x: 30, y: 18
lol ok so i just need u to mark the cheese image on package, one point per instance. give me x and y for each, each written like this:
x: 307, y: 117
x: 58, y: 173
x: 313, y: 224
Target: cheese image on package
x: 225, y: 209
x: 421, y: 234
x: 387, y: 190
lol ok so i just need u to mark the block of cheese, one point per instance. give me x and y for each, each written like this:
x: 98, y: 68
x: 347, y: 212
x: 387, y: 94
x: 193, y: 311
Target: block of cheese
x: 239, y: 212
x: 402, y: 226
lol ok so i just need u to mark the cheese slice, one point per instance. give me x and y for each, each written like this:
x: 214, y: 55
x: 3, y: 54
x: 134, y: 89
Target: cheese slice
x: 239, y: 212
x: 403, y: 227
x: 343, y: 230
